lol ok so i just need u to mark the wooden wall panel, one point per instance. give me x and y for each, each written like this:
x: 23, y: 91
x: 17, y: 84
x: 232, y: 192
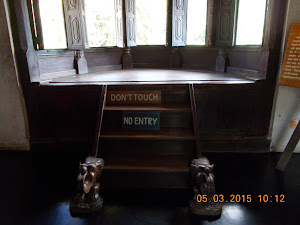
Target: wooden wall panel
x: 200, y: 58
x: 102, y: 58
x: 226, y: 113
x: 240, y: 110
x: 52, y: 64
x: 151, y: 57
x: 244, y: 59
x: 63, y: 60
x: 64, y: 114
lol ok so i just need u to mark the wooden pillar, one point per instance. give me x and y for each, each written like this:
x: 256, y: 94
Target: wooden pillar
x: 127, y: 59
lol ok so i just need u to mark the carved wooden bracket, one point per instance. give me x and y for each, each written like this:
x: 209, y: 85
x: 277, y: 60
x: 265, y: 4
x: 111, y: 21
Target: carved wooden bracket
x: 222, y: 61
x: 80, y: 62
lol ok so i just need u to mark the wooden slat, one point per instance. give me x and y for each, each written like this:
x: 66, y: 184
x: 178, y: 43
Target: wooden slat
x: 195, y: 119
x: 179, y: 25
x: 147, y: 164
x: 99, y: 121
x: 75, y: 25
x: 167, y: 83
x: 163, y: 134
x: 130, y: 22
x: 174, y: 107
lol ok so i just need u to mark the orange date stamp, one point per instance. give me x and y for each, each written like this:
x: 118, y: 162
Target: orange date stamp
x: 219, y: 198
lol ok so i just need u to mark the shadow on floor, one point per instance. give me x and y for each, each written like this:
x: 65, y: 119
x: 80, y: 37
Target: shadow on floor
x: 37, y: 187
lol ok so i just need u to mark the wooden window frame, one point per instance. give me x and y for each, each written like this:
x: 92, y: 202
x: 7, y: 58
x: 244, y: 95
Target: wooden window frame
x: 125, y: 25
x: 220, y: 35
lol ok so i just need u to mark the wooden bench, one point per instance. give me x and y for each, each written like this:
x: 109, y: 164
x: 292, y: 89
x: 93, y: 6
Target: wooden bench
x: 137, y: 158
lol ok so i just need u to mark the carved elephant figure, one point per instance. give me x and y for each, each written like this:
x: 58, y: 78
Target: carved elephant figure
x: 204, y: 184
x: 202, y: 177
x: 87, y: 185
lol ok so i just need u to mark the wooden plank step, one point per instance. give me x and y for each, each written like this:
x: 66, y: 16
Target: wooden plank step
x: 147, y: 164
x: 175, y: 107
x: 163, y: 134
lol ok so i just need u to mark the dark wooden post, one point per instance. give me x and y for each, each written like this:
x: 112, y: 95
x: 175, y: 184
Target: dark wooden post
x: 288, y: 152
x: 175, y: 58
x: 127, y: 59
x: 264, y: 61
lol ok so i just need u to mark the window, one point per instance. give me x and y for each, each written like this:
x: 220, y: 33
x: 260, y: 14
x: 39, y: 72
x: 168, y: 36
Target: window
x: 196, y: 22
x: 100, y: 23
x: 52, y: 21
x: 151, y: 22
x: 79, y: 24
x: 250, y: 23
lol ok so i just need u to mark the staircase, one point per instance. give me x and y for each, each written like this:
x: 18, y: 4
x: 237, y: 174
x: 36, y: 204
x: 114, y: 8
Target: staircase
x: 147, y: 158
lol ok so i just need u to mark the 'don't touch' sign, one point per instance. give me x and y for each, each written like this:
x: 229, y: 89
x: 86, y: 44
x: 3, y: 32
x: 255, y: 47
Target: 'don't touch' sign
x: 133, y: 97
x: 141, y: 120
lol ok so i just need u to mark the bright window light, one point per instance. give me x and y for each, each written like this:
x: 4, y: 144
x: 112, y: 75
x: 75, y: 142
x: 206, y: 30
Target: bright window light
x: 251, y: 20
x: 100, y: 22
x: 196, y: 22
x: 151, y: 22
x: 53, y: 26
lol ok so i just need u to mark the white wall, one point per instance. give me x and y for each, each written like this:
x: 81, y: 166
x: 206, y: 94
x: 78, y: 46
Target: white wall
x: 286, y: 114
x: 13, y: 122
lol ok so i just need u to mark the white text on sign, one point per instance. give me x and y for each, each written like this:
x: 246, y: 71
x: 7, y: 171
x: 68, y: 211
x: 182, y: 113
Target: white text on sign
x: 134, y: 97
x: 149, y: 121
